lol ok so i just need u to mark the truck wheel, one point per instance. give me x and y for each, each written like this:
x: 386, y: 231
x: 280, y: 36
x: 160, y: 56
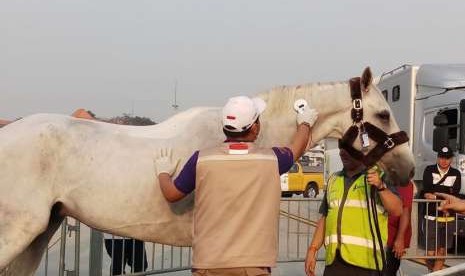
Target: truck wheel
x: 311, y: 190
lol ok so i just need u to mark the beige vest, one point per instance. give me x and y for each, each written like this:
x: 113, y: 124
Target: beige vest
x: 236, y: 209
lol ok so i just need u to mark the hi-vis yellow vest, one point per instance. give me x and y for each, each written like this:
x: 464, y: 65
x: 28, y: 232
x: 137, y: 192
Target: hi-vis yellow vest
x: 353, y: 238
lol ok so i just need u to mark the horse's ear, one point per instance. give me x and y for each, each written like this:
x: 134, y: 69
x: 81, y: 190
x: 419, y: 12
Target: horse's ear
x: 367, y: 79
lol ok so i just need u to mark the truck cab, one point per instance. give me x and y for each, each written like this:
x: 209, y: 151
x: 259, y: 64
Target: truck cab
x: 428, y: 102
x: 303, y: 178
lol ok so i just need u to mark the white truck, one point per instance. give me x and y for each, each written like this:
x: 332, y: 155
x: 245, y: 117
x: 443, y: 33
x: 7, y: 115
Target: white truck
x: 428, y: 102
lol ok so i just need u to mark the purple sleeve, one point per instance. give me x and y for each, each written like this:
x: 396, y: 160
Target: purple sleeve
x: 185, y: 182
x: 285, y: 158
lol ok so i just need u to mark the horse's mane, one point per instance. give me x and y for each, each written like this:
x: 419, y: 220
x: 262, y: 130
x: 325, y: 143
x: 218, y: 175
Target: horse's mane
x: 281, y: 97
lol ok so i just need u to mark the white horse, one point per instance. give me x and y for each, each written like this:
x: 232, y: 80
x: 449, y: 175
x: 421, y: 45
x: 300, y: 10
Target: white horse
x: 102, y: 174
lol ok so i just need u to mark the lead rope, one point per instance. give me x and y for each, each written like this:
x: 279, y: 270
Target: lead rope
x: 373, y: 239
x: 378, y: 231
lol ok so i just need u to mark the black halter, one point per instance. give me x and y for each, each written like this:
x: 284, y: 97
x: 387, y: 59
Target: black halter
x: 384, y: 142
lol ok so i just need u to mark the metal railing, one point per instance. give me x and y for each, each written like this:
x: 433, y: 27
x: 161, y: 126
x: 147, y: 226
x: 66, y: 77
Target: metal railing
x: 67, y: 232
x: 298, y: 218
x: 420, y: 232
x: 90, y: 258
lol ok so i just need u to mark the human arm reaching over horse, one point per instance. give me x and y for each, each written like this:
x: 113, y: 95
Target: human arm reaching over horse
x: 305, y: 121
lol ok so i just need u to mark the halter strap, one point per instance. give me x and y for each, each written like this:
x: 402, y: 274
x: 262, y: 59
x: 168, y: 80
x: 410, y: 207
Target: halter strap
x: 356, y: 95
x: 384, y: 142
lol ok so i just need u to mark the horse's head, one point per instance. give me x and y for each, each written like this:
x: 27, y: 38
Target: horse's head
x: 397, y: 161
x: 388, y: 146
x: 334, y: 104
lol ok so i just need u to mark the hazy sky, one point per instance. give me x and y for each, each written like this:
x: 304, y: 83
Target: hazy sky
x: 113, y: 57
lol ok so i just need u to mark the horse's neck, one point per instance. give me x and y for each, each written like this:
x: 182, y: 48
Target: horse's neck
x: 333, y: 104
x: 331, y: 100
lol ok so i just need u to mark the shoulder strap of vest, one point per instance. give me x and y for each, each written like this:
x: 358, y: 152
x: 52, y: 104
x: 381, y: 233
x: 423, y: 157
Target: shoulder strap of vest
x: 332, y: 178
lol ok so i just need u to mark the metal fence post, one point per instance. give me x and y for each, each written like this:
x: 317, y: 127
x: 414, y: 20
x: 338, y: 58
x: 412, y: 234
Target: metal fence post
x: 77, y: 239
x: 77, y: 247
x: 96, y: 250
x: 61, y: 268
x: 415, y: 228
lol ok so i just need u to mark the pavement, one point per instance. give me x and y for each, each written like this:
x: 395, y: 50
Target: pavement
x: 297, y: 269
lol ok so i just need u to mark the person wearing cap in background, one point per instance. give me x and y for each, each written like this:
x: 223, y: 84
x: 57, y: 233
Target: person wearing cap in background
x: 439, y: 178
x: 237, y: 192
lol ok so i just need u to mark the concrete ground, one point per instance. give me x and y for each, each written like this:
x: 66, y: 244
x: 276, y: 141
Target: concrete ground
x: 297, y: 269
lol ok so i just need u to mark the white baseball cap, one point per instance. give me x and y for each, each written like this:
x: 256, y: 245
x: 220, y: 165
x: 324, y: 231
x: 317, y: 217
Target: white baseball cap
x: 241, y: 112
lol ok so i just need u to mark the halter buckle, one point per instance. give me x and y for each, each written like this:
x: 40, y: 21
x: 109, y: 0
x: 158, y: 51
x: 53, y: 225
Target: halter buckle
x: 389, y: 143
x: 357, y: 103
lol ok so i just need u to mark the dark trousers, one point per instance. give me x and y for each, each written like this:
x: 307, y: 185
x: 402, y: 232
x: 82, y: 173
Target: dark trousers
x: 392, y: 263
x: 340, y: 268
x: 132, y: 254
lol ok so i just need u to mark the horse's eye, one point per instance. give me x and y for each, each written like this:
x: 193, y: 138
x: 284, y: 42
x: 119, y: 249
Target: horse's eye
x: 383, y: 115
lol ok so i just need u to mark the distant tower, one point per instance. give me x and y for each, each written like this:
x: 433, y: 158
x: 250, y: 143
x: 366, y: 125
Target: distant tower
x: 175, y: 105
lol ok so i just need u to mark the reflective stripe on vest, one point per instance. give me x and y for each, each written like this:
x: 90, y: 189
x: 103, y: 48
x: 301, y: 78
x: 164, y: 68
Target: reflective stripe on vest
x: 355, y: 203
x: 355, y: 244
x: 350, y: 240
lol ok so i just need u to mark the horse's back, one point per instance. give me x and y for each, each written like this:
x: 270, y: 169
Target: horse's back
x: 103, y: 174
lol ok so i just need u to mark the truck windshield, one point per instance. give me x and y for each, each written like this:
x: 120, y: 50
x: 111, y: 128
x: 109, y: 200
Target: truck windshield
x: 294, y: 168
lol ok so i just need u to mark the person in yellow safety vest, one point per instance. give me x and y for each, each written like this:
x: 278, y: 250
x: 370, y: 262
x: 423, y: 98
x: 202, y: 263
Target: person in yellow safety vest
x: 344, y: 226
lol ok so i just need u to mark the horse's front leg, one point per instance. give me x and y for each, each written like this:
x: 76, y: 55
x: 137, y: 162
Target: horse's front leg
x: 22, y: 220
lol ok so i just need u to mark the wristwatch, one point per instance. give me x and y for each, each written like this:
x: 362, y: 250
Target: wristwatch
x: 381, y: 187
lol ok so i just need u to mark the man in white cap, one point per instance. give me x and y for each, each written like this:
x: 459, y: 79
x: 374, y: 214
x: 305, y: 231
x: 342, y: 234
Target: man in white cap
x: 237, y: 192
x: 440, y: 178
